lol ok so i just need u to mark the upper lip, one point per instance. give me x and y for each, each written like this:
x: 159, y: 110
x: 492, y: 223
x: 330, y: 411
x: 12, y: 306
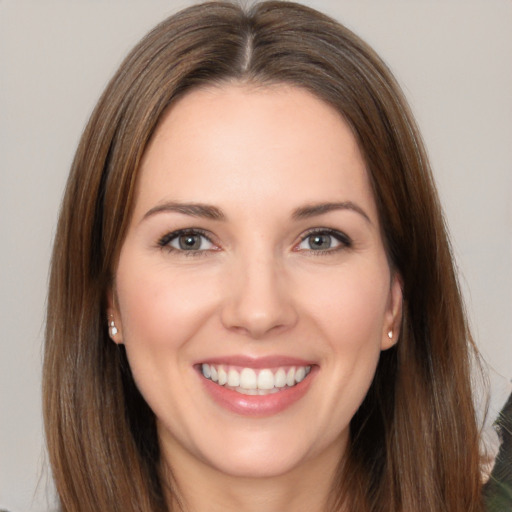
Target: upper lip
x: 256, y: 362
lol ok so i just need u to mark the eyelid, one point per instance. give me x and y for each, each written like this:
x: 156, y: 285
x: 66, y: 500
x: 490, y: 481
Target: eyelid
x: 164, y: 241
x: 343, y: 239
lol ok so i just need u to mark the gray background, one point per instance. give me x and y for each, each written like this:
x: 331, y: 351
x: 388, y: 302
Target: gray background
x: 453, y: 58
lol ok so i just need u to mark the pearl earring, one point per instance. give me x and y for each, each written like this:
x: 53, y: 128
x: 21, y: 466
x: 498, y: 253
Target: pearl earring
x: 113, y: 328
x: 390, y: 335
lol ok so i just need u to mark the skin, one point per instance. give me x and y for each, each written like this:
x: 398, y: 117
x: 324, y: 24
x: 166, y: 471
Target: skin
x: 255, y: 288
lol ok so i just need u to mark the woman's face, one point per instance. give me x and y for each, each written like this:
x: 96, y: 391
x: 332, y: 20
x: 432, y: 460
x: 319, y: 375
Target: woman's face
x: 252, y: 292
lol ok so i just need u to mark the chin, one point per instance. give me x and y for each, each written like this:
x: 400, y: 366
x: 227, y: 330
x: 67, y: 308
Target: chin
x: 264, y: 464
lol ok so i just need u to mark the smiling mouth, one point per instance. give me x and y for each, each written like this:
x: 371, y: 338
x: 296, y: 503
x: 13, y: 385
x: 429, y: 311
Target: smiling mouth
x: 249, y: 381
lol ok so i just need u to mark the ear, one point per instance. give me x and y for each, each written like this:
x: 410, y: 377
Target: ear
x: 115, y: 330
x: 393, y: 317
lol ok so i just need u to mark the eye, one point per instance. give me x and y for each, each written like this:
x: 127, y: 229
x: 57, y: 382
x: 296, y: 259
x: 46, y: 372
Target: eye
x: 187, y: 240
x: 324, y: 240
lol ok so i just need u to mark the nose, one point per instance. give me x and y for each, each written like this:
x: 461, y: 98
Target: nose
x: 258, y: 298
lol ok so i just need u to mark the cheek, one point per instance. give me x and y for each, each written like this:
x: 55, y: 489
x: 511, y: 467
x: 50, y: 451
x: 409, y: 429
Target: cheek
x: 351, y: 314
x: 159, y: 314
x: 351, y: 307
x: 159, y: 306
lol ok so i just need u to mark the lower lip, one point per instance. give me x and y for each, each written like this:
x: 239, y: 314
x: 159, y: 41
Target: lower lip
x: 257, y: 405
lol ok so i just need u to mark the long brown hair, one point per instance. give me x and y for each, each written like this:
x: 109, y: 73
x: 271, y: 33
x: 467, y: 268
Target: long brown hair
x: 414, y: 441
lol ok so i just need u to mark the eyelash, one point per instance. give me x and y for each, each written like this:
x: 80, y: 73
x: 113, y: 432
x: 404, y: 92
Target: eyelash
x: 344, y: 241
x: 165, y: 241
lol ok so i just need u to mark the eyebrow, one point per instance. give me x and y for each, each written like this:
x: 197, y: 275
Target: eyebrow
x: 205, y: 211
x: 313, y: 210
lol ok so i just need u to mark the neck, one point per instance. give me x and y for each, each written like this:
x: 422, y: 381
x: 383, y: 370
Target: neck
x: 194, y: 486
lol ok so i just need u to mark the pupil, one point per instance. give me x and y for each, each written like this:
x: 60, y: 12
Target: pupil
x: 188, y: 242
x: 320, y: 242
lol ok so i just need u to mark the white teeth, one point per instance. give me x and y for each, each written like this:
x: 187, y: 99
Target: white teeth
x: 299, y: 374
x: 265, y: 379
x: 223, y: 376
x: 206, y: 370
x: 248, y: 379
x: 280, y: 378
x: 255, y: 382
x: 233, y: 378
x: 290, y: 377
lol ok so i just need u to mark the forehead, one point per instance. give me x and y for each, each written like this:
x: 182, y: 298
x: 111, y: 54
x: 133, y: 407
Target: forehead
x: 249, y: 143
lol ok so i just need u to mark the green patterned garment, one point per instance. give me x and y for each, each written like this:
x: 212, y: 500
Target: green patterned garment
x: 498, y: 490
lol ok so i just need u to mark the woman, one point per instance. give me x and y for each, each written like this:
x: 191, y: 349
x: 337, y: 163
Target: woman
x: 252, y: 302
